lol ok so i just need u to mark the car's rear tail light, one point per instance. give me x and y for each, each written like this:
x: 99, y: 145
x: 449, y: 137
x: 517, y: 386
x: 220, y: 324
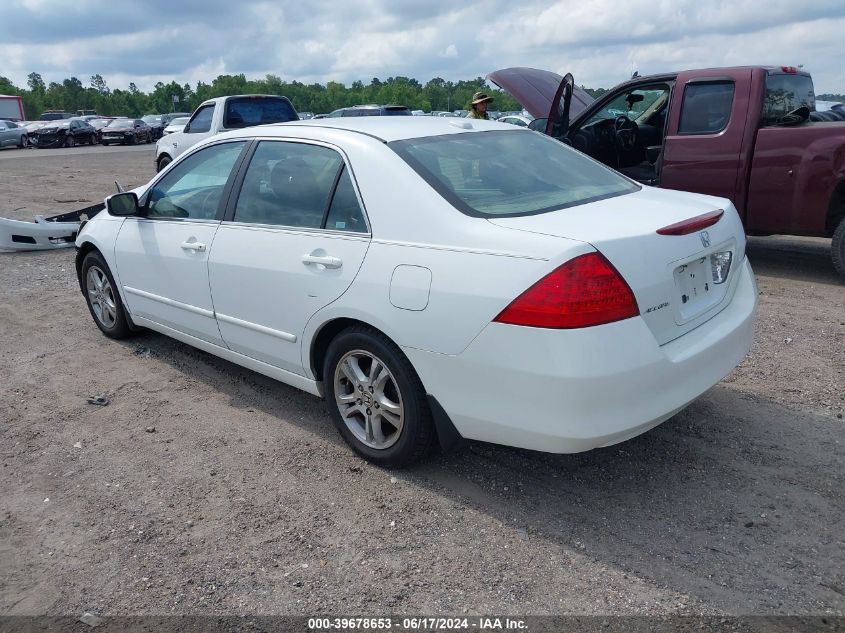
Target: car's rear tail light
x: 692, y: 225
x: 583, y: 292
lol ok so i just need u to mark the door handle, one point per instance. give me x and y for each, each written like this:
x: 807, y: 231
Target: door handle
x: 326, y: 260
x: 193, y: 246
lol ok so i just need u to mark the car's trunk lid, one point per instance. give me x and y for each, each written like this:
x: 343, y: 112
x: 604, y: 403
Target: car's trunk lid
x: 671, y: 275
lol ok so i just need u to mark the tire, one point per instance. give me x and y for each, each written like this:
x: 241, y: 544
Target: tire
x: 23, y: 142
x: 149, y: 138
x: 102, y: 297
x: 92, y: 140
x: 837, y: 248
x: 396, y: 429
x: 70, y: 141
x: 133, y: 140
x: 163, y: 162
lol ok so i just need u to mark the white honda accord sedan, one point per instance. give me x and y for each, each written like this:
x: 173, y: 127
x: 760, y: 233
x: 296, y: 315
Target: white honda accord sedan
x: 434, y: 279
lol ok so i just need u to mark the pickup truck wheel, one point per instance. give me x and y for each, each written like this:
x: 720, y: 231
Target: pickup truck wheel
x: 163, y: 162
x: 102, y: 297
x: 837, y: 248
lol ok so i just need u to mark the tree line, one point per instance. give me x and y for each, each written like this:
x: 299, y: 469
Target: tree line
x: 71, y: 95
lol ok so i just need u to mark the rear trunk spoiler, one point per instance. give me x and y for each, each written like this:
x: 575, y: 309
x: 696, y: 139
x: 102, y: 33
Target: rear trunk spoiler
x: 56, y: 231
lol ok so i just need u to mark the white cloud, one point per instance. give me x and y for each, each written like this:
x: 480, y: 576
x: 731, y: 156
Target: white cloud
x: 600, y: 41
x: 449, y: 51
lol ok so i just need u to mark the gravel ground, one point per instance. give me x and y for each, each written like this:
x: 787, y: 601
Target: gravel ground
x: 206, y: 488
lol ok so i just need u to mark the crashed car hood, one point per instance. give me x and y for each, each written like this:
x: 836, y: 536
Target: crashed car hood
x: 535, y: 90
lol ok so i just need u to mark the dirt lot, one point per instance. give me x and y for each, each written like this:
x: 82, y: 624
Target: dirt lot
x: 245, y: 500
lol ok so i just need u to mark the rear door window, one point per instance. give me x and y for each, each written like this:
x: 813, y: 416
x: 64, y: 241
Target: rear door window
x: 288, y: 184
x: 706, y: 108
x: 299, y: 185
x: 345, y: 211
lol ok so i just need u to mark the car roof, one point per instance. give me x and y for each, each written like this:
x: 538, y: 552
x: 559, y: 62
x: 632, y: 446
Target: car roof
x: 386, y: 129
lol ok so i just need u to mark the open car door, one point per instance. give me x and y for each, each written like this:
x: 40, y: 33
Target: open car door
x: 545, y: 95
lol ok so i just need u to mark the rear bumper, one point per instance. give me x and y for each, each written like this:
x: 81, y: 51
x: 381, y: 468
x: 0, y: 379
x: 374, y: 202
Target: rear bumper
x: 566, y: 391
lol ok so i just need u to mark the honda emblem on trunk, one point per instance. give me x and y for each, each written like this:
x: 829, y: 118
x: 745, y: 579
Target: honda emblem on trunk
x: 705, y: 239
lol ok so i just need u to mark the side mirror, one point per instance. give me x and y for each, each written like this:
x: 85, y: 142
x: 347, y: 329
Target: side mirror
x: 538, y: 125
x: 123, y: 204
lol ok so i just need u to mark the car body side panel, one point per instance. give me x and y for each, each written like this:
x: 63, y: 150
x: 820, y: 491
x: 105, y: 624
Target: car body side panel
x: 102, y: 234
x: 265, y: 318
x: 795, y: 170
x: 706, y: 163
x: 468, y: 290
x: 163, y: 279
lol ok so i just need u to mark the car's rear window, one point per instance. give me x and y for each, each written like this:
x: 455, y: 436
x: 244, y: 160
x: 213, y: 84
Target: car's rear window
x: 786, y: 92
x: 397, y: 111
x: 248, y: 111
x: 509, y: 173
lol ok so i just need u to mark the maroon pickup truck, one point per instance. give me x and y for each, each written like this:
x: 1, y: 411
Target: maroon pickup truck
x: 743, y: 133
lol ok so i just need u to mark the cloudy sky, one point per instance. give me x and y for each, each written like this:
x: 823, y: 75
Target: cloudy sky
x: 599, y: 41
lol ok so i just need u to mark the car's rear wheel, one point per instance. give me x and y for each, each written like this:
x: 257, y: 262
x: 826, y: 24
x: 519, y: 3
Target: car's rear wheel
x: 163, y: 162
x: 132, y: 140
x: 23, y: 142
x: 376, y: 399
x: 837, y: 248
x: 102, y: 297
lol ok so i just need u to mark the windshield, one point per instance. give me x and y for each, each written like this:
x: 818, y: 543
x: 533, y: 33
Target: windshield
x: 151, y: 119
x: 638, y: 105
x: 122, y: 123
x: 182, y: 120
x: 512, y: 173
x: 99, y: 122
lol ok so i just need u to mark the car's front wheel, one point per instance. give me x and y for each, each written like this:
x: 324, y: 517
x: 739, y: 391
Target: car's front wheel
x: 102, y: 297
x: 837, y: 248
x: 70, y: 141
x: 164, y: 161
x: 23, y: 142
x: 376, y: 399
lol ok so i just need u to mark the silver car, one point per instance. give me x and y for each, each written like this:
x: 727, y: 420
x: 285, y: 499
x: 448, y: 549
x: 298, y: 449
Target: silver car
x: 12, y: 134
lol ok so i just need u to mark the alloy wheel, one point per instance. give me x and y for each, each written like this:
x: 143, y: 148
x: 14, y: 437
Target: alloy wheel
x: 369, y: 400
x: 101, y: 296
